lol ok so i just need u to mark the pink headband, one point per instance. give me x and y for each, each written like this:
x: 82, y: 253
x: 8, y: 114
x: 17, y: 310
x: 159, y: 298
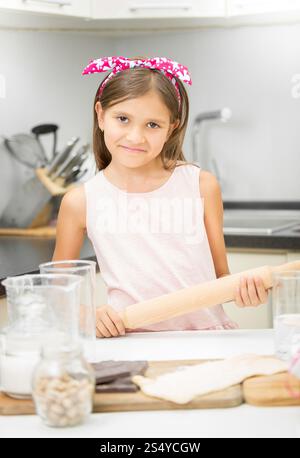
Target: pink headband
x: 168, y: 67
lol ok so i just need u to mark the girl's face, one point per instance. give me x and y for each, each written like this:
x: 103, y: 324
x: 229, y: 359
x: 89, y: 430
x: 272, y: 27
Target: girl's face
x: 135, y: 130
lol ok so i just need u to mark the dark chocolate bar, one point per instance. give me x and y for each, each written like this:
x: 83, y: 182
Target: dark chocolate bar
x: 121, y: 385
x: 115, y: 376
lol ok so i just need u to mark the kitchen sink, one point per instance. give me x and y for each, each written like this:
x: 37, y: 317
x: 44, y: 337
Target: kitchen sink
x: 258, y: 223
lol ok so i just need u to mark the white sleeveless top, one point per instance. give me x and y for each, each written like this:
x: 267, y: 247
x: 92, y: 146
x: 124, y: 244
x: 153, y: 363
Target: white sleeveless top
x: 153, y: 243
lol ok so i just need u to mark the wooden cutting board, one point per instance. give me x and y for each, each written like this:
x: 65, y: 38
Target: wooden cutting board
x: 272, y: 390
x: 119, y: 402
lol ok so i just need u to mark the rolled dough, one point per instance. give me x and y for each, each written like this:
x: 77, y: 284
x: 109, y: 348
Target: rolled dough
x: 182, y: 385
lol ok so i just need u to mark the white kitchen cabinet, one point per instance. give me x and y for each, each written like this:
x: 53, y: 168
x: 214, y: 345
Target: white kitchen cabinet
x: 293, y: 256
x: 240, y: 259
x: 79, y: 8
x: 3, y: 312
x: 130, y: 9
x: 252, y: 317
x: 142, y: 15
x: 253, y: 7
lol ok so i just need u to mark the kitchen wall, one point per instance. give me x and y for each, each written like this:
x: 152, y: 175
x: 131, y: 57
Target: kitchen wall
x: 44, y: 84
x: 248, y: 69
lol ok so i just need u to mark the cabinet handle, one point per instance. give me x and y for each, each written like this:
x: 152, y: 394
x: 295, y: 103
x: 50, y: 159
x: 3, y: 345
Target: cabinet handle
x: 59, y: 3
x: 159, y: 6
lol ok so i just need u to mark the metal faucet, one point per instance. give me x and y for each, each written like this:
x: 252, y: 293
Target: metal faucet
x: 224, y: 115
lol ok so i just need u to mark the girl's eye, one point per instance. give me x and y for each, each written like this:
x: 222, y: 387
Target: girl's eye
x: 153, y: 124
x: 122, y: 118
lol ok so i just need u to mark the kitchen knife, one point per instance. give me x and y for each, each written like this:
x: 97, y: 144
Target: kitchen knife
x: 74, y: 158
x: 75, y: 176
x: 72, y: 174
x: 81, y: 174
x: 62, y: 156
x: 78, y: 163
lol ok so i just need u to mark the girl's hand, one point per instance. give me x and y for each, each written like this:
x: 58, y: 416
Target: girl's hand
x: 108, y: 322
x: 251, y: 292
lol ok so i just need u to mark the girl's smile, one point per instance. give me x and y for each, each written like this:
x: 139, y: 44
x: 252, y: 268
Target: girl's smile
x: 133, y: 150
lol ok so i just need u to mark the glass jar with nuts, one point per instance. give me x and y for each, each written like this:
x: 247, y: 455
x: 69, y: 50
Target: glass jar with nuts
x: 63, y: 386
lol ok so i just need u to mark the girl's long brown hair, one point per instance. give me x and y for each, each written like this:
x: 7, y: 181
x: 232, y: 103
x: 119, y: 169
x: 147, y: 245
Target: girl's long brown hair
x: 133, y: 83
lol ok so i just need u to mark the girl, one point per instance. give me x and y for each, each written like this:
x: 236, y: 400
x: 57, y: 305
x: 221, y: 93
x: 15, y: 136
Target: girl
x: 155, y: 221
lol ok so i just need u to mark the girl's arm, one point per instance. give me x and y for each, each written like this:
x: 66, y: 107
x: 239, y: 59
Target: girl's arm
x: 71, y: 231
x: 213, y: 219
x: 251, y: 291
x: 71, y: 225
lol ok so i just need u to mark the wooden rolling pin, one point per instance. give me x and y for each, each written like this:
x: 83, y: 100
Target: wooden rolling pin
x: 195, y: 297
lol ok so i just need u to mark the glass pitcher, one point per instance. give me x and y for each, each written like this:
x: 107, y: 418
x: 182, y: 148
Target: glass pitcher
x: 87, y: 314
x: 286, y: 313
x: 42, y: 309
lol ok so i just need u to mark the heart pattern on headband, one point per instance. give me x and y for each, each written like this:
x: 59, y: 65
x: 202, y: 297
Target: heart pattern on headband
x: 117, y: 64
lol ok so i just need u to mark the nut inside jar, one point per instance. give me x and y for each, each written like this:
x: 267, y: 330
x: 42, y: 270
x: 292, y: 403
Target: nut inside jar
x: 63, y: 389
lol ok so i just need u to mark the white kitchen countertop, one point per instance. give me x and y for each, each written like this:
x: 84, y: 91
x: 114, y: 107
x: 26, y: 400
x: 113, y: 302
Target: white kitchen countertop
x: 242, y: 421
